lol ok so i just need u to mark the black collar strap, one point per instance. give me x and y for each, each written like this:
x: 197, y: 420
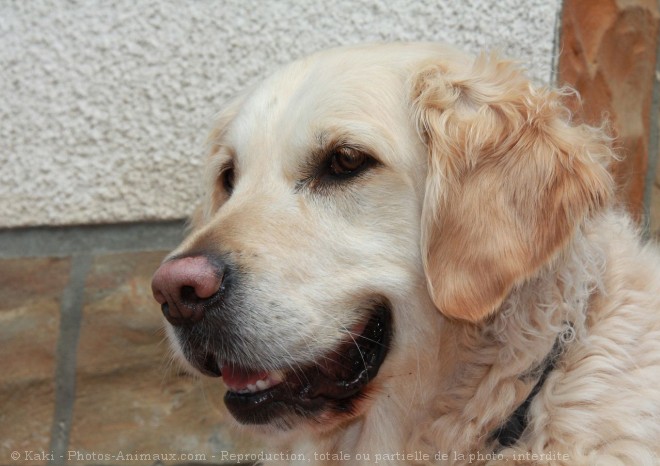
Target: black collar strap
x: 511, y: 430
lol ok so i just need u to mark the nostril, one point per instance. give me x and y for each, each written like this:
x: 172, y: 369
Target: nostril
x: 184, y: 286
x: 188, y: 294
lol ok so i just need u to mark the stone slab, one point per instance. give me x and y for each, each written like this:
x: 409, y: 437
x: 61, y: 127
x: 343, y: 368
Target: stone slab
x: 608, y: 53
x: 30, y: 293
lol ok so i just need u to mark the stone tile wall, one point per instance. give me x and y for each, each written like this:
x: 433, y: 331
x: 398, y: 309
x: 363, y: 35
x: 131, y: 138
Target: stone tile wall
x: 608, y: 53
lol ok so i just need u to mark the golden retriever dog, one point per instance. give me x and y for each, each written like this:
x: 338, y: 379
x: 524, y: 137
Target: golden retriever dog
x: 405, y: 255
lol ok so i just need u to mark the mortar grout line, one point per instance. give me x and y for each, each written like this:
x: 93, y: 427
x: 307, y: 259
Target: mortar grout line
x: 654, y: 140
x: 71, y: 307
x: 64, y: 241
x: 556, y: 44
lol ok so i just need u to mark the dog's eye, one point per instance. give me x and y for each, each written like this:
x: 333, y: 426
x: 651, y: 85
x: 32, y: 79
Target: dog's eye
x: 340, y: 165
x: 227, y: 178
x: 345, y: 162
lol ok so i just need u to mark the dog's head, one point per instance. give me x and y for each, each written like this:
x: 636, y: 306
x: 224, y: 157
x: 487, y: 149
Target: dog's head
x: 347, y: 199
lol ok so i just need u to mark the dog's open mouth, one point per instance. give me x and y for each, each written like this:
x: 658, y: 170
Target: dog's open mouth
x: 259, y: 397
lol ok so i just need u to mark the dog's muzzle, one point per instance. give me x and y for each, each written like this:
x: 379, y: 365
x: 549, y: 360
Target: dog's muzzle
x: 189, y: 289
x: 336, y: 381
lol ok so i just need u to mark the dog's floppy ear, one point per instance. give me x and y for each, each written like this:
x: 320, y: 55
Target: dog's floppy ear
x: 509, y: 181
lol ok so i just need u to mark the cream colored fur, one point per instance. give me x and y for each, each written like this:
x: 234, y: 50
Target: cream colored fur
x: 489, y: 225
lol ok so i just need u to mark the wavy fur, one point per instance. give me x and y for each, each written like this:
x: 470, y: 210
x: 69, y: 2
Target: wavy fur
x: 489, y: 223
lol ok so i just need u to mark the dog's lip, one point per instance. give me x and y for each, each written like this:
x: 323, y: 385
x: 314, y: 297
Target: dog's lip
x: 341, y: 376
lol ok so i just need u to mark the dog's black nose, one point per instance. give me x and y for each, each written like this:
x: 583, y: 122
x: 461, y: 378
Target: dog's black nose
x: 183, y: 286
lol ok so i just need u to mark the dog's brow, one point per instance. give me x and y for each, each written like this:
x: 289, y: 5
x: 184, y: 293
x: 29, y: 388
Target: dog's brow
x: 323, y: 142
x: 221, y: 158
x: 327, y: 141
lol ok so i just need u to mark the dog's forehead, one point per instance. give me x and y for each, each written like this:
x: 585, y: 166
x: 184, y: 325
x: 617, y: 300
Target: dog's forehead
x: 346, y: 93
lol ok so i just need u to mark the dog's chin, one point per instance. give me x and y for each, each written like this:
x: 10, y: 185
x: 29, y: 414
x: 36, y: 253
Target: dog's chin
x: 332, y: 387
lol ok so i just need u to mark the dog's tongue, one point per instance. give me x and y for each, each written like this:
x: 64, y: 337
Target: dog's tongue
x: 237, y: 378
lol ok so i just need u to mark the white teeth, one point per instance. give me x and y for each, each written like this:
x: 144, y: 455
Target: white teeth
x: 273, y: 379
x: 263, y: 384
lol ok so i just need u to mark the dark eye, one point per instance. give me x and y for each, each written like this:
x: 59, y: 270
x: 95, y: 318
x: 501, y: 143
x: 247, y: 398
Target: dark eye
x: 227, y: 178
x: 340, y: 165
x: 346, y: 162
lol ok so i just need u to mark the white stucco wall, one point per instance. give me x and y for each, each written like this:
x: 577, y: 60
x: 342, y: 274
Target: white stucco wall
x: 104, y: 105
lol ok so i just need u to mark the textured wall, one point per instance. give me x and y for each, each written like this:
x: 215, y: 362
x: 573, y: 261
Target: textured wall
x: 104, y: 105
